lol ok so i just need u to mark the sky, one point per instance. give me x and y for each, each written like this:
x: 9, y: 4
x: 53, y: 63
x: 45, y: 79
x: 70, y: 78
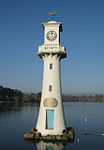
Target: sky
x: 82, y: 72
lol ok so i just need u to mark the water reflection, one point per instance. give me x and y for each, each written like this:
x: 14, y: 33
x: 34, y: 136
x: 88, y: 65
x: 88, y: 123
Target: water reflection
x: 50, y: 146
x: 8, y: 106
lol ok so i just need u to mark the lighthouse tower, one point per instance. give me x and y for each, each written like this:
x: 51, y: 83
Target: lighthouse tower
x: 51, y: 116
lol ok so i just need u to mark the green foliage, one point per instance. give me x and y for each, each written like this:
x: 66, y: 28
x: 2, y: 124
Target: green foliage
x: 69, y: 98
x: 7, y: 94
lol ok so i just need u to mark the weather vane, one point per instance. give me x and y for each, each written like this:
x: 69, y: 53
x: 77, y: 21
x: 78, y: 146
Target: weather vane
x: 53, y: 13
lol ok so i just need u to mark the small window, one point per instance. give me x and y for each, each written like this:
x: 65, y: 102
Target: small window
x: 51, y: 66
x: 50, y: 87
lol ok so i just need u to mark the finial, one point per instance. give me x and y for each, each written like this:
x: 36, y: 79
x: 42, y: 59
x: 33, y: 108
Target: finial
x: 53, y: 13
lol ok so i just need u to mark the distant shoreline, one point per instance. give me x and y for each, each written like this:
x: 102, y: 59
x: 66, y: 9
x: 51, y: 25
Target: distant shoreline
x: 8, y: 95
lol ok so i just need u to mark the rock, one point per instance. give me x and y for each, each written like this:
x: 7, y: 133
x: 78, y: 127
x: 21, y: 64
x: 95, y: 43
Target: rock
x: 64, y: 137
x: 70, y: 135
x: 36, y: 137
x: 53, y: 137
x: 64, y: 131
x: 49, y: 137
x: 44, y: 138
x: 71, y: 129
x: 67, y: 135
x: 38, y: 134
x: 40, y: 138
x: 33, y: 130
x: 69, y: 132
x: 29, y: 135
x: 58, y: 137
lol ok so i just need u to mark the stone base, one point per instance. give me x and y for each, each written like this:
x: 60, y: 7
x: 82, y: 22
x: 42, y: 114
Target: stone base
x: 68, y: 135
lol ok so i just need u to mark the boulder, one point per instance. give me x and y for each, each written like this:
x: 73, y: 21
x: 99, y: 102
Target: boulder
x: 49, y: 137
x: 64, y: 131
x: 33, y: 130
x: 29, y: 135
x: 53, y: 137
x: 70, y: 129
x: 36, y: 137
x: 38, y: 134
x: 64, y: 137
x: 44, y: 138
x: 70, y: 135
x: 67, y: 135
x: 58, y: 137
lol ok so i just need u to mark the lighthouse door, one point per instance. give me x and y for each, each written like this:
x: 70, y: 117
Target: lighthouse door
x: 49, y: 119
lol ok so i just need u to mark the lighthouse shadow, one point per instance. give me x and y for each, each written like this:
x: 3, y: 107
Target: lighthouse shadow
x: 47, y: 145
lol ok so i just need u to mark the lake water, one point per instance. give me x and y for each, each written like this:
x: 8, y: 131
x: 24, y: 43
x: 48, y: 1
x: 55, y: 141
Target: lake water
x: 20, y: 118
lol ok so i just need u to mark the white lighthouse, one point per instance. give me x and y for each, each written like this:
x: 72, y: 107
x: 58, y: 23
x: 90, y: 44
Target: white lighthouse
x: 51, y: 115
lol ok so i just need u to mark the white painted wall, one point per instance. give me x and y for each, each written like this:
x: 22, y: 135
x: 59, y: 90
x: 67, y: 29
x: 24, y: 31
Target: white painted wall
x: 51, y: 52
x: 51, y: 77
